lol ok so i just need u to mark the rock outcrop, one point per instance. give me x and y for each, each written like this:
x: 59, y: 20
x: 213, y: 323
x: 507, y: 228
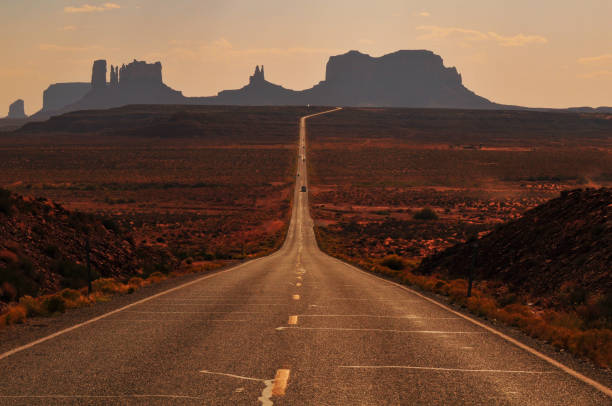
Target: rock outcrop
x: 16, y: 110
x: 401, y: 79
x: 60, y: 95
x: 141, y: 72
x: 98, y: 74
x: 135, y: 83
x: 257, y: 76
x: 258, y: 92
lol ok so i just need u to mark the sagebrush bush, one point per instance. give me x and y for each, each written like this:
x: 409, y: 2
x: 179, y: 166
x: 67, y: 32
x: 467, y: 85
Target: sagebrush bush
x: 54, y: 304
x: 393, y: 262
x: 6, y: 202
x: 108, y: 285
x: 425, y: 214
x: 33, y: 306
x: 136, y: 281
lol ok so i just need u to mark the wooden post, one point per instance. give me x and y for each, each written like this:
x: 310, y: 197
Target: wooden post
x: 471, y: 273
x: 88, y: 261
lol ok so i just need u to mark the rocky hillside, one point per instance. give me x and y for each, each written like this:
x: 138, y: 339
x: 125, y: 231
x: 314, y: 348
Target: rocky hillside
x: 42, y: 247
x: 561, y: 247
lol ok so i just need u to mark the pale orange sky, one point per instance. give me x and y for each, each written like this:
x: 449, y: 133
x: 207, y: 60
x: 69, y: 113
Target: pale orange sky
x: 541, y: 53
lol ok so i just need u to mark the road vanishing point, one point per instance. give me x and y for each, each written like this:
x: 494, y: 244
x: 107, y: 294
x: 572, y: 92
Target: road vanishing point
x: 297, y: 327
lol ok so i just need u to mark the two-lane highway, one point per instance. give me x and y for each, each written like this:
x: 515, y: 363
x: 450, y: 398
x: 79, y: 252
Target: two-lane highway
x: 294, y: 328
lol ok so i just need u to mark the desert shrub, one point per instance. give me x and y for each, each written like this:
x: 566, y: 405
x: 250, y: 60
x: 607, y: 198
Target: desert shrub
x: 597, y: 311
x: 6, y: 202
x: 74, y: 275
x: 156, y: 277
x: 108, y: 285
x: 393, y: 262
x: 54, y: 304
x: 16, y: 314
x: 564, y: 319
x: 70, y: 294
x: 111, y: 225
x: 425, y: 214
x: 21, y: 276
x: 136, y: 281
x: 52, y: 251
x: 507, y: 299
x: 32, y: 305
x: 570, y: 294
x: 519, y: 309
x: 79, y: 221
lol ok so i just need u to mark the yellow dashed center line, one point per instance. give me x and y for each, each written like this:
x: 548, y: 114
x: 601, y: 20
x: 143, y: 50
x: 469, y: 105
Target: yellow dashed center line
x: 280, y: 382
x: 298, y: 284
x: 296, y: 297
x: 293, y: 320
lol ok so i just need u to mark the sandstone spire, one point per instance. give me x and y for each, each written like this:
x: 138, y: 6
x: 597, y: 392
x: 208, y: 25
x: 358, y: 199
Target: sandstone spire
x: 98, y: 74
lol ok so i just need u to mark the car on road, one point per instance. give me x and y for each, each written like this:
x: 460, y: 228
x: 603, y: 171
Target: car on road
x: 303, y: 188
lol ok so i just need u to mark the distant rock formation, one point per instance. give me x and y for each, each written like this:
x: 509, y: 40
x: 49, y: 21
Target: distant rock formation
x: 98, y: 74
x: 135, y: 83
x: 258, y: 76
x: 258, y: 92
x: 409, y: 78
x: 60, y: 95
x: 114, y: 76
x: 141, y: 72
x: 401, y: 79
x: 16, y: 110
x: 601, y: 109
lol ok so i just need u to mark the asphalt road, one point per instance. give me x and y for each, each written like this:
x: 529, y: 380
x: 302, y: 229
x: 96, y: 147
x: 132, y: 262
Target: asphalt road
x: 294, y: 328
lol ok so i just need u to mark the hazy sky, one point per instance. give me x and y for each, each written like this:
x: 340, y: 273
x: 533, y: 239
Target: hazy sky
x: 545, y: 53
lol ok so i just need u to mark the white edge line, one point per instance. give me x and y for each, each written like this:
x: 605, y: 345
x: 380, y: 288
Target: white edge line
x: 602, y: 388
x: 146, y: 299
x: 99, y: 397
x: 502, y: 371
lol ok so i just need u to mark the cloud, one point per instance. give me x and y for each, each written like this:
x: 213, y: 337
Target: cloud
x: 595, y: 59
x: 68, y: 28
x: 423, y: 14
x: 518, y: 40
x: 598, y: 74
x: 63, y: 48
x: 87, y: 8
x: 466, y: 35
x: 366, y: 41
x: 436, y: 32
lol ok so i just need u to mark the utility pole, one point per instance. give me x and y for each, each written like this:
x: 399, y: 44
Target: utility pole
x: 474, y: 245
x: 88, y: 261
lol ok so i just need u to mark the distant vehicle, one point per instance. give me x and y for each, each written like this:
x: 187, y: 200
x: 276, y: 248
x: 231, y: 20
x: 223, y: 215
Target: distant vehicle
x: 303, y: 188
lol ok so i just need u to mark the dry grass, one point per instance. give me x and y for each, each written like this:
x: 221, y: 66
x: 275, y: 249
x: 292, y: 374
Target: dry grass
x: 561, y: 329
x: 102, y: 291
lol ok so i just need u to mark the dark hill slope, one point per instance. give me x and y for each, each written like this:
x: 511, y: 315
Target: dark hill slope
x: 564, y: 242
x: 261, y: 124
x: 42, y: 247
